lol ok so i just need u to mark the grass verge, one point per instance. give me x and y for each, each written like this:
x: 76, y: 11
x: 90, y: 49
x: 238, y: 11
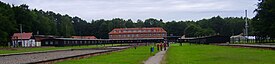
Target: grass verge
x: 128, y: 56
x: 210, y: 54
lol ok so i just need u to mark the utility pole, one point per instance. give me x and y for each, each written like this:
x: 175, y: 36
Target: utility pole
x: 21, y: 35
x: 246, y: 26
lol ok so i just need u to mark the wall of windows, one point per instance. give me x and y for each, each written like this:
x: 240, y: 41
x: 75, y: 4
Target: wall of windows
x: 134, y: 33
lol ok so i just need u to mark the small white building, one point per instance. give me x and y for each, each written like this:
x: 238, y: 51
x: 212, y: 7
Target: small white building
x: 241, y: 38
x: 23, y: 40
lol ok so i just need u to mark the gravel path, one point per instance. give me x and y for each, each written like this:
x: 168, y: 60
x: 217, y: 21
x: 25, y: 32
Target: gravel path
x: 156, y: 59
x: 29, y: 58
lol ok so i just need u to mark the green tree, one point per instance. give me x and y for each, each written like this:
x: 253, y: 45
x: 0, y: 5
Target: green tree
x: 66, y: 26
x: 80, y: 26
x: 151, y: 22
x: 139, y: 23
x: 264, y: 21
x: 25, y: 17
x: 103, y: 30
x: 129, y: 24
x: 7, y: 23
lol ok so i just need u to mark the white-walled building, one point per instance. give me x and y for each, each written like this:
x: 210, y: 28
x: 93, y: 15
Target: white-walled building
x: 23, y: 40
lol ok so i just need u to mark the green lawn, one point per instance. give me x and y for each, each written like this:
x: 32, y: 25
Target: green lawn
x: 210, y: 54
x: 20, y: 50
x: 128, y: 56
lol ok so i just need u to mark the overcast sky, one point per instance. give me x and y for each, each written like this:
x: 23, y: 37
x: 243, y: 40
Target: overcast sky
x: 142, y: 9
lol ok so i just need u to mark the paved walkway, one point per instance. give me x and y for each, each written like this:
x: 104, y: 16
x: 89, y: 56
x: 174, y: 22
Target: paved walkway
x: 156, y: 59
x: 37, y: 57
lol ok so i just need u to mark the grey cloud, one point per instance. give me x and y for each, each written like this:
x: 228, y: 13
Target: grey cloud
x: 142, y: 9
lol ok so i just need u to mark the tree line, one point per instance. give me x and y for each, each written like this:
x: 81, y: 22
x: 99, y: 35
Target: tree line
x: 264, y: 21
x: 215, y: 25
x: 50, y: 23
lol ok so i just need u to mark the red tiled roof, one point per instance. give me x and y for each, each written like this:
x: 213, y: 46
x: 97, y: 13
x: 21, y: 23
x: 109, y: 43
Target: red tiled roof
x: 84, y: 37
x: 137, y: 30
x: 24, y: 36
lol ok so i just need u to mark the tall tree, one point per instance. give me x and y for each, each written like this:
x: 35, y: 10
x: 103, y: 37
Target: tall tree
x: 264, y: 21
x: 7, y: 23
x: 139, y: 23
x: 66, y: 26
x: 25, y: 17
x: 80, y: 26
x: 151, y: 22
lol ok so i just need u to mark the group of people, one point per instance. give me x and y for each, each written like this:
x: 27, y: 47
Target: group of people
x: 161, y: 46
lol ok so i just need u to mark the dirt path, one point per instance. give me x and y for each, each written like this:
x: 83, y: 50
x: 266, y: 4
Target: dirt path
x: 156, y: 59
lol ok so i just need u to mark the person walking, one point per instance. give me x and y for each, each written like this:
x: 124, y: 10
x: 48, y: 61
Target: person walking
x: 161, y: 45
x: 164, y: 46
x: 152, y: 49
x: 135, y: 46
x: 158, y: 46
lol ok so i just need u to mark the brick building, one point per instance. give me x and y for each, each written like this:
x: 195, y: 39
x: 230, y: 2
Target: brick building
x: 84, y: 37
x: 137, y: 33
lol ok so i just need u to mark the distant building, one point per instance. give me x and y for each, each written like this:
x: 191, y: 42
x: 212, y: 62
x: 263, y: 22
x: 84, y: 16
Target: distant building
x: 84, y: 37
x: 137, y: 33
x: 23, y: 40
x: 39, y: 38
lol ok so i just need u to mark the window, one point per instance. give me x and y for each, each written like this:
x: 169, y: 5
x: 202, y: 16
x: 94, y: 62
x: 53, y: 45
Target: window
x: 46, y: 43
x: 133, y: 35
x: 51, y: 42
x: 56, y: 42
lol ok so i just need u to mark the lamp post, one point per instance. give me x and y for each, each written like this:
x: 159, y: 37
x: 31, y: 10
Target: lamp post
x: 21, y: 35
x: 246, y: 26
